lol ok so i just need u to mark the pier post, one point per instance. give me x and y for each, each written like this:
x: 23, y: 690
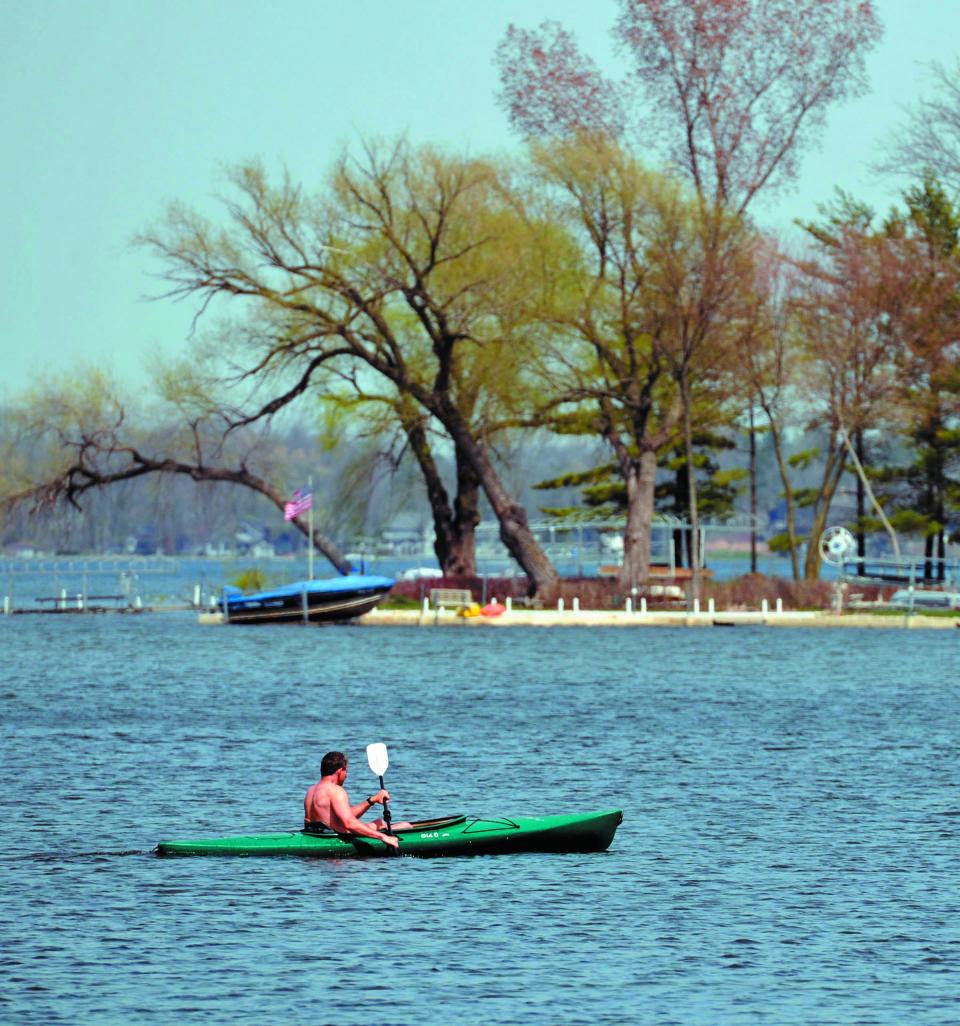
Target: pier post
x: 643, y: 604
x: 196, y: 596
x: 711, y: 606
x: 559, y: 605
x: 6, y: 605
x: 576, y: 605
x: 63, y: 598
x: 509, y: 604
x: 303, y: 596
x: 764, y: 606
x: 80, y: 602
x: 628, y: 605
x: 779, y: 604
x: 696, y: 607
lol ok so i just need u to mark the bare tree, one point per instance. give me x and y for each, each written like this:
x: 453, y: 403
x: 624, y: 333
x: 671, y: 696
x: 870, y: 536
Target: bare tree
x: 929, y: 137
x: 735, y: 88
x: 406, y: 266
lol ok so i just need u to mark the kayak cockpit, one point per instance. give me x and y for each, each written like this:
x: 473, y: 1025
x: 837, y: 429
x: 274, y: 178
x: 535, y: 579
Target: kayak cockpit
x: 322, y: 830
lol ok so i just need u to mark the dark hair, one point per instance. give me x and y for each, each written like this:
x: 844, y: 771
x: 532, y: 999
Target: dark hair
x: 332, y: 762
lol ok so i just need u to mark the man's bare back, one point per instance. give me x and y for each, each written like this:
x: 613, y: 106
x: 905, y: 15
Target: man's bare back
x: 328, y: 803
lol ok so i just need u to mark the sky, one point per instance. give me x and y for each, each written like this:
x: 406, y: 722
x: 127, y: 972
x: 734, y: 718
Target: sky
x: 113, y: 109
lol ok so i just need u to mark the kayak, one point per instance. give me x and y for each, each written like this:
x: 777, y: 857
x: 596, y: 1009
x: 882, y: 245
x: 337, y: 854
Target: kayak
x: 450, y: 835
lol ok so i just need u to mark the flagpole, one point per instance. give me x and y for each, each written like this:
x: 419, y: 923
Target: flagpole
x: 310, y: 530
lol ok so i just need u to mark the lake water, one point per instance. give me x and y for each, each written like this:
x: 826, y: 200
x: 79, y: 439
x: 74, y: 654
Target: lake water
x: 790, y: 851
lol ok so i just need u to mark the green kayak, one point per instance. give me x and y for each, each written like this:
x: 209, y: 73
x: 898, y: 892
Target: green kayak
x: 451, y: 835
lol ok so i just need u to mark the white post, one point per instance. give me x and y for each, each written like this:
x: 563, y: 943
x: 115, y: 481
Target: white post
x: 764, y: 606
x: 138, y: 603
x: 779, y: 604
x: 79, y: 601
x: 63, y: 598
x: 196, y: 596
x: 426, y: 605
x: 696, y: 607
x: 628, y: 605
x: 509, y: 604
x: 310, y: 531
x: 643, y: 604
x: 576, y: 604
x: 559, y: 605
x: 711, y: 607
x: 6, y: 605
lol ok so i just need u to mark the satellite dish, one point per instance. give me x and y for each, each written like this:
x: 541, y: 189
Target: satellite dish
x: 836, y: 545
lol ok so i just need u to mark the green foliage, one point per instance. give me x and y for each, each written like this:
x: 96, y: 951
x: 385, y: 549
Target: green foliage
x: 780, y: 543
x: 909, y: 521
x: 802, y: 460
x: 577, y: 478
x: 933, y: 214
x: 250, y: 580
x: 843, y: 213
x: 611, y: 493
x: 399, y: 602
x: 577, y: 514
x: 806, y: 497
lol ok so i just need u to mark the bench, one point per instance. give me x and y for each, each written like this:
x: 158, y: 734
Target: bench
x: 451, y: 598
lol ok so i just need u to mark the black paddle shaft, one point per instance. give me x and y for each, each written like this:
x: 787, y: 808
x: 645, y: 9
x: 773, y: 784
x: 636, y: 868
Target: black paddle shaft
x: 386, y: 810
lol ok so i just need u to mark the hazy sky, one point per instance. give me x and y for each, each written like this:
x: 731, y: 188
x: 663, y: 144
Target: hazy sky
x: 112, y: 109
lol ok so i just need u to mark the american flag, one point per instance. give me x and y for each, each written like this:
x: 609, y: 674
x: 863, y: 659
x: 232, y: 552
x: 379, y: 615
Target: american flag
x: 300, y: 502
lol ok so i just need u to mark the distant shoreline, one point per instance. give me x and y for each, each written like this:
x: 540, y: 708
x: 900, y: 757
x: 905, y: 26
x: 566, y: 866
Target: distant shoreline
x: 670, y: 618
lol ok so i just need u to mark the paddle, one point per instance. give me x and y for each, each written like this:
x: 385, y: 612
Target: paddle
x: 378, y: 761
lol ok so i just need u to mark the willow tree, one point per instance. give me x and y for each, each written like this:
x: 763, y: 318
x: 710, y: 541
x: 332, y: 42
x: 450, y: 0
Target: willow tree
x: 76, y: 435
x: 406, y: 266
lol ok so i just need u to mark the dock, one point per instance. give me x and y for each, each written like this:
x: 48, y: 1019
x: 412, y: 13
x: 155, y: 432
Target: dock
x: 659, y: 618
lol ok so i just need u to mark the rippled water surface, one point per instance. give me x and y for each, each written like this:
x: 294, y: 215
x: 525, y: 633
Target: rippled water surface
x: 789, y: 852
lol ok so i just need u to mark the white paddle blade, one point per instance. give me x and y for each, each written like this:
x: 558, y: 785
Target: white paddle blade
x: 377, y: 758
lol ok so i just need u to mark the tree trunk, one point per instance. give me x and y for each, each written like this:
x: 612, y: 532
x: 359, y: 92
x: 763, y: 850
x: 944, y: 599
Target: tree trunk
x: 515, y: 530
x: 640, y: 477
x: 692, y: 496
x: 453, y: 529
x: 861, y: 498
x: 753, y: 494
x: 462, y: 556
x: 832, y: 473
x: 788, y: 497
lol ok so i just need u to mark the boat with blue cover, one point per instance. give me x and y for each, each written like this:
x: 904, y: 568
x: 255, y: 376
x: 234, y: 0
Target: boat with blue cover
x: 330, y: 600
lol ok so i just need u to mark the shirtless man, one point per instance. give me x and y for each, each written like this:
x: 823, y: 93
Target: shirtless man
x: 327, y: 804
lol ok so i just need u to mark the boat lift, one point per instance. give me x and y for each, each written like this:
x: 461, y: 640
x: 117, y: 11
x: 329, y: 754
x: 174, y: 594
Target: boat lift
x: 70, y: 583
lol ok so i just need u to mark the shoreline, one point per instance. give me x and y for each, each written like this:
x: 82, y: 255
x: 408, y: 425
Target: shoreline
x: 611, y: 618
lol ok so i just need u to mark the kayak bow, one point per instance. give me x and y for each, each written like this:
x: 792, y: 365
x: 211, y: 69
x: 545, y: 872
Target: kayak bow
x: 451, y: 835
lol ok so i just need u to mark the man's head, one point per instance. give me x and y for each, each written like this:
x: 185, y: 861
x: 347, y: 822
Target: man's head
x: 332, y: 762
